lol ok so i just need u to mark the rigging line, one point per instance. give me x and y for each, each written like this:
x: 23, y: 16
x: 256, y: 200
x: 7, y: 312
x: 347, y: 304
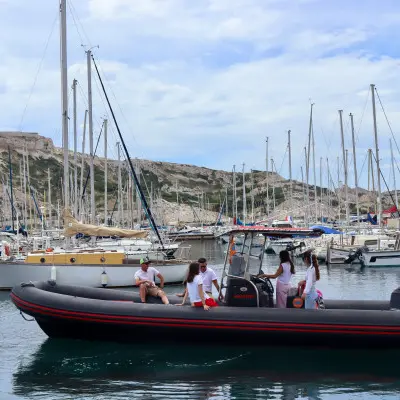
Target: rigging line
x: 384, y: 180
x: 362, y: 168
x: 362, y: 117
x: 283, y: 160
x: 133, y: 172
x: 71, y: 11
x: 98, y: 120
x: 106, y: 111
x: 37, y: 72
x: 387, y: 120
x: 118, y: 104
x: 110, y: 126
x: 93, y: 156
x: 72, y: 7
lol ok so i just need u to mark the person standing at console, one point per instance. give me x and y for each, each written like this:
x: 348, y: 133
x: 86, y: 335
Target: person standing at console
x: 284, y: 275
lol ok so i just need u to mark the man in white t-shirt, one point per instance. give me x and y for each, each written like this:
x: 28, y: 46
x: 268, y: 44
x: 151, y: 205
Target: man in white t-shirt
x: 145, y: 279
x: 209, y: 278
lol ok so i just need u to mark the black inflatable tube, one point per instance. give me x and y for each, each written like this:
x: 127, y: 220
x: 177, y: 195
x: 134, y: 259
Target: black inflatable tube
x: 107, y: 314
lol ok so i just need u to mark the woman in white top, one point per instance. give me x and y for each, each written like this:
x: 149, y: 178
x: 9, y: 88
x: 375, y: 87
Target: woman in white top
x: 283, y: 274
x: 194, y: 289
x: 310, y: 294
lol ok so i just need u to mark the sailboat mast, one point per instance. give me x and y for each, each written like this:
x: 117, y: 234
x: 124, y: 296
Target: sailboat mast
x: 304, y: 193
x: 290, y: 172
x: 315, y: 176
x: 273, y: 184
x: 308, y: 163
x: 244, y: 197
x: 346, y: 202
x: 266, y: 173
x: 377, y: 156
x: 74, y: 82
x: 11, y: 189
x: 252, y: 196
x: 105, y: 174
x: 119, y: 185
x: 234, y: 210
x: 90, y: 109
x: 338, y: 185
x: 320, y: 187
x: 394, y: 175
x: 64, y: 96
x: 49, y: 224
x: 355, y: 166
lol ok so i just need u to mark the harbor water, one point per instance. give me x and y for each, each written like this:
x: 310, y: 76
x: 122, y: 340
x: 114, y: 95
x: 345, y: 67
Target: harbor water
x: 35, y: 367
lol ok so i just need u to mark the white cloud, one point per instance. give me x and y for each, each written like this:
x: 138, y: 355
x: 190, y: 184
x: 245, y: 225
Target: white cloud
x: 207, y: 81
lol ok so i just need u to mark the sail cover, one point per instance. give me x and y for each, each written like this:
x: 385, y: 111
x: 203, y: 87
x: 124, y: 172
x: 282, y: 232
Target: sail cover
x: 72, y: 227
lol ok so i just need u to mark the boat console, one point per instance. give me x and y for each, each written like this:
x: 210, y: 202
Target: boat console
x: 242, y: 288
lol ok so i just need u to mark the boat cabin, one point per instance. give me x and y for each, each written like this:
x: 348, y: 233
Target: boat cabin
x: 245, y: 261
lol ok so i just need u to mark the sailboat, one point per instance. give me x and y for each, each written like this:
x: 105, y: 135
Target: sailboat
x: 93, y: 267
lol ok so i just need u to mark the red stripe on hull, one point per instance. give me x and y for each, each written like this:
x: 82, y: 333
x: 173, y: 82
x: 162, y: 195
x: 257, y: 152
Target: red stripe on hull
x: 208, y: 324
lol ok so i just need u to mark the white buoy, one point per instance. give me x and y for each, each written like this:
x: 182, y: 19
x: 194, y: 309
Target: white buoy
x: 104, y: 278
x: 53, y: 274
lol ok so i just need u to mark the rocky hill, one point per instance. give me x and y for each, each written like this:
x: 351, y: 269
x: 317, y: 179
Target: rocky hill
x: 181, y: 192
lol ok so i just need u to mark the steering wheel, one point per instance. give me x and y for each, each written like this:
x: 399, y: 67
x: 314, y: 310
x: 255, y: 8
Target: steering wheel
x: 264, y: 281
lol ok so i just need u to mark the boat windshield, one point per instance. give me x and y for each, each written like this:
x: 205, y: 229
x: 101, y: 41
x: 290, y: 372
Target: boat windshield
x: 244, y: 254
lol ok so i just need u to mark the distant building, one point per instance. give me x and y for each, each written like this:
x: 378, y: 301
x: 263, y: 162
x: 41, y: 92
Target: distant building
x: 19, y: 134
x: 19, y: 140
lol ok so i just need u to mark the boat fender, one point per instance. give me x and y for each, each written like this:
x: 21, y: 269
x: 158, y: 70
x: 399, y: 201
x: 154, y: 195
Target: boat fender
x: 53, y: 274
x: 7, y: 250
x: 102, y: 259
x: 104, y: 278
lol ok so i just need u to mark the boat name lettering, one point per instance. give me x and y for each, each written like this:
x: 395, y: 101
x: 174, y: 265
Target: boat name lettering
x: 244, y: 296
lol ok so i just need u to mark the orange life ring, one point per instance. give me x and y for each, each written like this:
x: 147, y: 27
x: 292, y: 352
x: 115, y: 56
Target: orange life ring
x: 297, y: 302
x: 49, y: 250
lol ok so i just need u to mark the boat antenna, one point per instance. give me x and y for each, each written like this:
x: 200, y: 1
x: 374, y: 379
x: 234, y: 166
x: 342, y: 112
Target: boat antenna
x: 135, y: 179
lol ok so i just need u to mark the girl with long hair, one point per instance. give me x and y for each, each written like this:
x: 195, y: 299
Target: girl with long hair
x: 283, y: 274
x: 194, y: 289
x: 310, y: 295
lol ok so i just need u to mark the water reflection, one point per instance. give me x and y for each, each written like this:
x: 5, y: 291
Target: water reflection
x: 103, y: 370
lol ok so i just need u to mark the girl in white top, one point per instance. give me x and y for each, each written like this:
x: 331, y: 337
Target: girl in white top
x: 310, y: 294
x: 194, y: 289
x: 283, y: 274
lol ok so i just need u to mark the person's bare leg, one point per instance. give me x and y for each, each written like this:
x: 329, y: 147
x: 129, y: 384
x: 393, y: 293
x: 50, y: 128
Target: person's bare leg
x: 164, y: 298
x: 142, y: 292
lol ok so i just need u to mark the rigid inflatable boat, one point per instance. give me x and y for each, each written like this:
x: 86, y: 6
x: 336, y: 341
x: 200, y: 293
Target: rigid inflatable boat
x: 247, y: 314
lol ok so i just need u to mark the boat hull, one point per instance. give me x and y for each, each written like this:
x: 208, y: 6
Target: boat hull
x: 388, y: 258
x: 121, y: 275
x: 338, y: 255
x: 62, y: 311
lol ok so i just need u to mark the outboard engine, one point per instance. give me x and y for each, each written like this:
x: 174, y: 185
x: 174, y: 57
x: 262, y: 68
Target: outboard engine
x: 395, y: 299
x: 353, y: 256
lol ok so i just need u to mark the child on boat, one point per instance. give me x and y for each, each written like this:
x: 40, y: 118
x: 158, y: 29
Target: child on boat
x: 310, y: 293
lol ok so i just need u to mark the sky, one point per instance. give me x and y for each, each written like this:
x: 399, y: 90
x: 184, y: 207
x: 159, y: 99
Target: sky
x: 205, y: 82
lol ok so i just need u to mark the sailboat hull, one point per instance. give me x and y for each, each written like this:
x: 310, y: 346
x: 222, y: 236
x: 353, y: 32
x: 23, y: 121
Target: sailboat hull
x: 12, y: 274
